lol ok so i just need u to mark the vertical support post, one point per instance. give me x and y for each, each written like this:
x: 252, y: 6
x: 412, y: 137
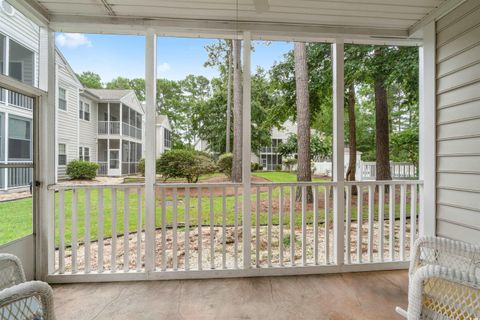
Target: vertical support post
x: 44, y: 210
x: 246, y: 151
x: 338, y: 151
x: 150, y: 143
x: 427, y: 144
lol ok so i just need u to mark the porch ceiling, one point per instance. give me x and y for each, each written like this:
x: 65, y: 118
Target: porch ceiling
x: 374, y: 18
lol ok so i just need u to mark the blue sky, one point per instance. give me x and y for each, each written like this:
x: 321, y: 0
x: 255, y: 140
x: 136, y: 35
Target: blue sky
x: 111, y: 55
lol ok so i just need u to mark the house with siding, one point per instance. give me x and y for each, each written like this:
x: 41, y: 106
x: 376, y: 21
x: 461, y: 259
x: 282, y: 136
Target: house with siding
x: 19, y: 52
x: 98, y: 125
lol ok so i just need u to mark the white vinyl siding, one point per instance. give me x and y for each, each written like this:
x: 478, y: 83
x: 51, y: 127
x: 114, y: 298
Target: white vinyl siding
x: 88, y: 129
x: 458, y: 123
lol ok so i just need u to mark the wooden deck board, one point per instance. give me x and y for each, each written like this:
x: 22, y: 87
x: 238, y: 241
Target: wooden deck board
x: 368, y: 295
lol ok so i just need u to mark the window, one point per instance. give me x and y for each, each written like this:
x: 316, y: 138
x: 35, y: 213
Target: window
x: 2, y: 138
x: 84, y: 111
x: 62, y: 154
x: 167, y: 138
x: 84, y: 153
x: 80, y: 110
x: 19, y: 139
x: 62, y: 99
x: 21, y: 64
x: 2, y: 53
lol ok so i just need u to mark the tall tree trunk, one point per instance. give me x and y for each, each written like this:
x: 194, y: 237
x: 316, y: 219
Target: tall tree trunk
x: 352, y: 134
x: 237, y: 112
x: 304, y: 172
x: 229, y: 96
x: 381, y: 124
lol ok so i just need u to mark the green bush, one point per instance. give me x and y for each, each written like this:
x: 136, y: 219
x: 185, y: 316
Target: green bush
x: 77, y: 169
x: 278, y: 167
x: 225, y: 163
x: 203, y: 165
x: 255, y: 166
x: 289, y: 163
x: 184, y: 164
x: 141, y: 167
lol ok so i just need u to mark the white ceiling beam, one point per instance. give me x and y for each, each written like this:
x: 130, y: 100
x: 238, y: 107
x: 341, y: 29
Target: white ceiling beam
x: 416, y: 30
x: 223, y: 29
x: 32, y: 10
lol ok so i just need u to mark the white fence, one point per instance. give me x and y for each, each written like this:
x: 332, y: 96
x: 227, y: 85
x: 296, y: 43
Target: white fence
x: 100, y: 230
x: 367, y: 170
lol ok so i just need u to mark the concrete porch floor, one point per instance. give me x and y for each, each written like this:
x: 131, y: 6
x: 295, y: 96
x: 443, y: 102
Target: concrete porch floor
x: 367, y: 295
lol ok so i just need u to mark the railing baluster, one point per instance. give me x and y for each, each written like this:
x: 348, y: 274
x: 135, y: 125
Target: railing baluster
x: 87, y: 231
x: 126, y: 213
x: 269, y: 228
x: 280, y: 223
x: 403, y: 215
x: 174, y: 231
x: 359, y: 222
x: 381, y: 216
x: 371, y: 207
x: 315, y: 224
x: 257, y: 228
x: 100, y: 230
x: 200, y: 223
x: 164, y: 229
x: 391, y: 225
x: 224, y: 228
x: 61, y: 231
x: 187, y: 228
x: 304, y: 225
x: 348, y: 220
x: 74, y: 229
x: 326, y: 224
x: 139, y: 229
x: 292, y: 225
x: 212, y: 232
x: 235, y: 221
x: 413, y: 216
x: 113, y: 263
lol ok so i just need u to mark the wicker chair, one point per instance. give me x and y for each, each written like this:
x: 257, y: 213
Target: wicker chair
x: 444, y: 280
x: 21, y: 299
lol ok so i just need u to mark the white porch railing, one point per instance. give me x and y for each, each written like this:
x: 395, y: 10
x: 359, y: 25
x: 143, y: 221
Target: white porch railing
x: 109, y: 127
x: 16, y: 99
x: 100, y: 229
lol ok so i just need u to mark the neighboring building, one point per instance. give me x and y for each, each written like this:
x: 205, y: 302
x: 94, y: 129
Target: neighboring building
x: 104, y: 126
x: 19, y: 45
x: 97, y: 125
x: 164, y: 134
x: 269, y: 158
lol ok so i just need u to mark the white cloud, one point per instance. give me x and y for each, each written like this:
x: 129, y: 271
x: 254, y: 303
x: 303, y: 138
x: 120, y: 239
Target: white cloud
x: 73, y: 40
x: 163, y: 67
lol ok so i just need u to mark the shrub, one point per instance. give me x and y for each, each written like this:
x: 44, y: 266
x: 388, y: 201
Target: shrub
x: 184, y: 164
x: 225, y: 163
x: 289, y: 163
x: 203, y: 165
x: 141, y: 167
x: 255, y: 166
x: 278, y: 167
x: 77, y: 169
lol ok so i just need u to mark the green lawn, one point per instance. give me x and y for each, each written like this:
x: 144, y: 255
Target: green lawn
x: 15, y: 216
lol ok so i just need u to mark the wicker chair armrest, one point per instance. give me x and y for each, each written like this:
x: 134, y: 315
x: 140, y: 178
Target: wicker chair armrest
x: 443, y: 247
x: 16, y: 274
x: 416, y: 287
x: 30, y: 289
